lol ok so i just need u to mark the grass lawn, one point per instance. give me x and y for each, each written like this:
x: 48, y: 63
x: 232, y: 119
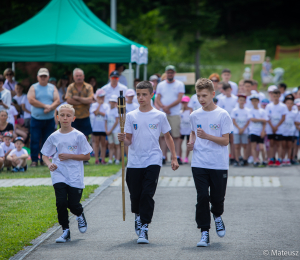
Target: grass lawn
x: 43, y: 171
x: 25, y: 213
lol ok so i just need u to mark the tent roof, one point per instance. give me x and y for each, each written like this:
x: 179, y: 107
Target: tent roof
x: 67, y: 31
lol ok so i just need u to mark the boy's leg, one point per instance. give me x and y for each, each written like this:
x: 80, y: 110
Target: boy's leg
x: 111, y: 148
x: 61, y: 194
x: 96, y: 141
x: 201, y: 179
x: 253, y: 151
x: 74, y: 197
x: 149, y: 184
x: 290, y: 145
x: 117, y: 147
x: 262, y: 150
x: 103, y: 148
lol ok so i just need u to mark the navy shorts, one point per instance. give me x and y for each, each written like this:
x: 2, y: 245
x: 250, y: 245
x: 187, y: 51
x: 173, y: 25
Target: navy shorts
x: 83, y: 125
x: 288, y: 138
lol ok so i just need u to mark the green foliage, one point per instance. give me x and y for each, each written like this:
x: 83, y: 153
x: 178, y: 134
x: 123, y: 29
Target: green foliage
x: 26, y: 213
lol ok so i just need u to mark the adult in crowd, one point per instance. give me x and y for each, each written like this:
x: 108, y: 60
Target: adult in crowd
x: 53, y: 81
x: 80, y: 94
x: 9, y: 83
x: 215, y: 78
x: 5, y: 95
x: 122, y: 79
x: 135, y: 82
x: 226, y: 75
x: 43, y: 98
x: 114, y: 86
x: 62, y: 87
x: 168, y: 97
x: 266, y: 76
x: 93, y: 82
x: 5, y: 126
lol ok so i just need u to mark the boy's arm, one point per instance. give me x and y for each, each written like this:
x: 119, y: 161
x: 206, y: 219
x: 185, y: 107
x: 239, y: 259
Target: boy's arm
x: 258, y: 120
x: 51, y: 166
x: 223, y: 140
x: 281, y: 121
x: 125, y: 137
x: 9, y: 158
x: 190, y: 144
x: 245, y: 126
x: 235, y: 124
x: 263, y: 133
x: 76, y: 157
x: 171, y: 146
x: 23, y: 156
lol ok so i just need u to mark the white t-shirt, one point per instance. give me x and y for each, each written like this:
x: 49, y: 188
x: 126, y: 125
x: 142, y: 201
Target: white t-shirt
x: 255, y: 128
x: 27, y: 106
x: 185, y: 126
x: 208, y: 154
x: 6, y: 99
x: 275, y: 113
x: 131, y: 107
x: 110, y: 117
x: 234, y: 87
x: 1, y: 152
x: 19, y: 99
x: 228, y: 103
x: 221, y: 95
x: 145, y: 128
x: 18, y: 153
x: 98, y: 121
x: 169, y: 93
x: 241, y: 118
x: 7, y: 148
x: 12, y: 112
x: 194, y: 103
x: 109, y: 90
x: 70, y: 171
x: 288, y: 126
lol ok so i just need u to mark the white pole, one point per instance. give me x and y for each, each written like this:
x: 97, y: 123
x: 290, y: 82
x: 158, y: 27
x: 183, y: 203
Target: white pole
x: 145, y: 71
x: 13, y: 69
x: 113, y: 14
x: 137, y: 75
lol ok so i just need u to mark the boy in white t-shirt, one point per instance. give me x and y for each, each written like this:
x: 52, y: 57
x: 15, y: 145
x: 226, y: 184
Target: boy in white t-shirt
x: 130, y: 105
x: 185, y: 126
x: 258, y: 119
x: 240, y: 121
x: 112, y: 128
x: 142, y: 130
x: 211, y: 126
x: 18, y: 156
x: 99, y: 109
x: 226, y: 75
x: 68, y: 148
x: 276, y: 112
x: 7, y: 147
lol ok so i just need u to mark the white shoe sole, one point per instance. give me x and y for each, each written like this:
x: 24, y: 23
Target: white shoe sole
x: 84, y: 230
x: 62, y: 241
x: 223, y: 235
x: 142, y: 241
x: 203, y: 244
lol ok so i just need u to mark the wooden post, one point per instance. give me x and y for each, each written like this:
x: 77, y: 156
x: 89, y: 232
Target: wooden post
x: 252, y: 70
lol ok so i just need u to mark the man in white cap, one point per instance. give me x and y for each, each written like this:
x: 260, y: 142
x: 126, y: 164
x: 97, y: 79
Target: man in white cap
x: 43, y: 98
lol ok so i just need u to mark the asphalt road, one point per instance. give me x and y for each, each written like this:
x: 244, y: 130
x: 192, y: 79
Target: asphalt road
x: 260, y: 223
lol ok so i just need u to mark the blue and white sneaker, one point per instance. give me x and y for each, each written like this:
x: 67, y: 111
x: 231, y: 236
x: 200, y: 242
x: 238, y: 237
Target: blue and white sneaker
x: 204, y: 239
x: 220, y: 227
x: 137, y: 224
x: 82, y: 225
x: 65, y: 237
x: 15, y: 169
x: 143, y: 237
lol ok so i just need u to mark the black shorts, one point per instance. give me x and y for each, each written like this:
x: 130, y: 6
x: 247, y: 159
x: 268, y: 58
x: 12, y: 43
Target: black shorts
x: 256, y: 139
x: 275, y: 137
x: 187, y: 137
x: 99, y: 133
x: 288, y: 138
x: 83, y: 125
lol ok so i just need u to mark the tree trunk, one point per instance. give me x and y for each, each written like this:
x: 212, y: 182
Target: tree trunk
x: 197, y: 57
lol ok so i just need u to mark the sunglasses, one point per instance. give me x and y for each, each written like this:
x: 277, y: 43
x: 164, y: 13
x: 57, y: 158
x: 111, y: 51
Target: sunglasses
x: 114, y: 77
x: 43, y: 76
x: 214, y: 80
x: 9, y: 74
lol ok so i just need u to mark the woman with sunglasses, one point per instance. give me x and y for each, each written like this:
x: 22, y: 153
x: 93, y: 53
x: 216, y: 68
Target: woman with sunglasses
x: 9, y: 83
x: 215, y: 78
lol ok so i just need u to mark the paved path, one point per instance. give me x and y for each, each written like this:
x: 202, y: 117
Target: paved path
x: 256, y: 219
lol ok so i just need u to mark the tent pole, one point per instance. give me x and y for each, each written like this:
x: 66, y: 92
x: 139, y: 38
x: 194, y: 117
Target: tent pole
x: 145, y: 71
x: 13, y: 69
x: 113, y: 14
x: 137, y: 75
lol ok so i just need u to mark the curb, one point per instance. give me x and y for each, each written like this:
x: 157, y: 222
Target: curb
x: 39, y: 240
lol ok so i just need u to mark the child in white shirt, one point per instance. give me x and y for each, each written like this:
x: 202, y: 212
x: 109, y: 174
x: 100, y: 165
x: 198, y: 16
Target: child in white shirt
x: 112, y: 128
x: 130, y: 105
x: 18, y: 156
x: 211, y: 126
x: 258, y: 119
x: 68, y: 148
x: 7, y: 147
x: 185, y: 126
x: 99, y: 109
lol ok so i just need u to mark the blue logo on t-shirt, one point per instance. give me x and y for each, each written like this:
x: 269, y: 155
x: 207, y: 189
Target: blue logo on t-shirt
x: 135, y: 126
x: 236, y: 115
x: 199, y: 126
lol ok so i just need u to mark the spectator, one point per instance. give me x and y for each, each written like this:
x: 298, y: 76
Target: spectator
x: 4, y: 125
x: 130, y: 105
x: 44, y: 98
x: 12, y: 115
x: 26, y: 107
x: 255, y: 89
x: 9, y: 83
x: 154, y: 80
x: 53, y: 81
x: 80, y: 95
x: 5, y: 96
x: 194, y: 103
x: 19, y: 94
x: 62, y: 87
x: 241, y: 87
x: 135, y: 82
x: 114, y: 86
x: 93, y: 82
x: 7, y: 147
x: 226, y: 75
x: 168, y: 97
x: 266, y: 72
x: 18, y: 156
x: 283, y: 92
x: 99, y: 109
x: 120, y: 68
x: 215, y: 78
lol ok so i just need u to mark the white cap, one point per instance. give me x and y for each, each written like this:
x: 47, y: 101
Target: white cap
x: 129, y: 93
x: 153, y: 77
x: 113, y: 98
x: 254, y: 96
x: 272, y: 88
x: 43, y: 71
x: 295, y: 90
x: 297, y: 101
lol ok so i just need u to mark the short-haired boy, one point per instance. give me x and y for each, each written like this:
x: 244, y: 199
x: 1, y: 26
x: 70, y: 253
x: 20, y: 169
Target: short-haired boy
x: 112, y: 128
x: 7, y: 147
x: 18, y: 156
x: 142, y: 130
x: 211, y: 126
x: 226, y: 75
x: 276, y: 112
x: 240, y: 122
x: 68, y: 148
x: 258, y: 119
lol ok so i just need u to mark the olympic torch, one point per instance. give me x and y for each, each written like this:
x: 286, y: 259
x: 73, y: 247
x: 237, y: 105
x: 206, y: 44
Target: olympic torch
x: 122, y: 118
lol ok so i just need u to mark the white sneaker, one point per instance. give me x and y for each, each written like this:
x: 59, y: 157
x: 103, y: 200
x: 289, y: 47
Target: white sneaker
x: 109, y: 162
x: 143, y: 237
x: 220, y: 226
x: 250, y: 159
x: 117, y: 162
x: 204, y: 239
x: 65, y: 237
x: 137, y: 224
x: 82, y: 225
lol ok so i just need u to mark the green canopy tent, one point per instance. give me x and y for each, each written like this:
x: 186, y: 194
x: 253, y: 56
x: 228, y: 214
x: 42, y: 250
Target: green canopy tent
x: 67, y: 31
